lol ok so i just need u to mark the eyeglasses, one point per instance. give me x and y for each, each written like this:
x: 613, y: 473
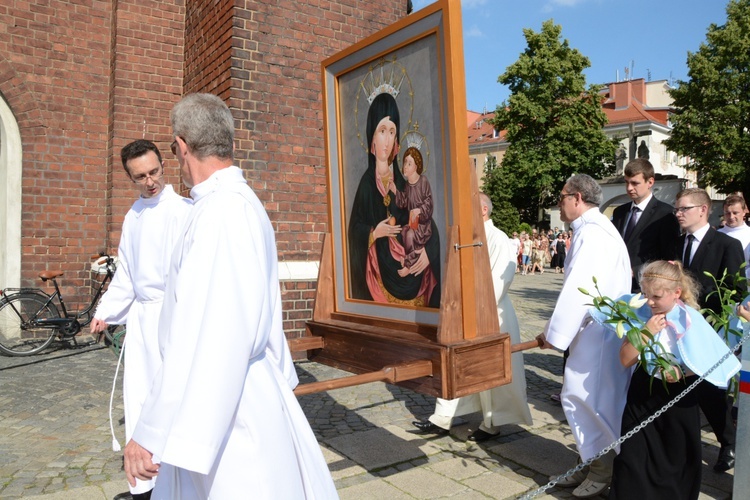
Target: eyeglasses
x: 682, y: 210
x: 563, y: 195
x: 173, y: 147
x: 154, y: 175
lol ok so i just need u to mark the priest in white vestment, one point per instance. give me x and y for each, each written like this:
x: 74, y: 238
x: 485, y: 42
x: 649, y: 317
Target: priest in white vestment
x: 594, y: 382
x: 505, y: 404
x: 135, y: 294
x: 735, y: 211
x: 221, y: 420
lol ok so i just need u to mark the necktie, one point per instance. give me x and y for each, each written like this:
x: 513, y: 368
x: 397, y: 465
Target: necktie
x: 688, y: 250
x: 631, y: 223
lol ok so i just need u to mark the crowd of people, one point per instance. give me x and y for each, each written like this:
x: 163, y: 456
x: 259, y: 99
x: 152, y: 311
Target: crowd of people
x: 185, y: 439
x: 662, y: 253
x: 538, y: 250
x: 666, y: 254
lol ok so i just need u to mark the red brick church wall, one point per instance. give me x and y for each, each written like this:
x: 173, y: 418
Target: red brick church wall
x: 85, y: 78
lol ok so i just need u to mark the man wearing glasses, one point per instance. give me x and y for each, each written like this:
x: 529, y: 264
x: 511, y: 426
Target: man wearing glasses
x: 594, y: 382
x: 703, y: 249
x: 149, y: 233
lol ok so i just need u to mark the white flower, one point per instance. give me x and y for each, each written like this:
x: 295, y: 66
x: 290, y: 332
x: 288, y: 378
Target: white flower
x: 637, y: 301
x: 620, y: 329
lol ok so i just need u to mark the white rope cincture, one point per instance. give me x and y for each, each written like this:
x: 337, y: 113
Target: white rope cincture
x: 115, y: 443
x: 637, y: 428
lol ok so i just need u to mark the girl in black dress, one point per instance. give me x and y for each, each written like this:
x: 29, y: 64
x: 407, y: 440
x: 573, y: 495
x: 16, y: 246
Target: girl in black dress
x: 663, y: 460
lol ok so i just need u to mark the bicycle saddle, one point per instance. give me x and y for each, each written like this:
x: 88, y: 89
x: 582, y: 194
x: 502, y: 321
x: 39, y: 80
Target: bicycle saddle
x: 50, y: 275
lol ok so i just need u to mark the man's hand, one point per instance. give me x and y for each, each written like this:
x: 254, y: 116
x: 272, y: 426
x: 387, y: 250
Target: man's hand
x: 138, y: 463
x: 543, y: 344
x: 97, y: 325
x: 743, y: 312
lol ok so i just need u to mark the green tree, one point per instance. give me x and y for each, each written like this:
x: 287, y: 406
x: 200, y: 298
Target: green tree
x: 711, y: 124
x: 504, y: 214
x: 553, y: 121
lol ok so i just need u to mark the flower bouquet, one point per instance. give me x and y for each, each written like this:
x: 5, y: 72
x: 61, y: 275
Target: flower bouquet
x: 623, y: 317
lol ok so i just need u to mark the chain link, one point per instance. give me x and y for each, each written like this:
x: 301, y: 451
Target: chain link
x: 637, y: 428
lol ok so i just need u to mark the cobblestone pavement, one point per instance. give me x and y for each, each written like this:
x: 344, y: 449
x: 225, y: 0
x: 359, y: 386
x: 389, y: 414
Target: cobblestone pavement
x: 54, y: 429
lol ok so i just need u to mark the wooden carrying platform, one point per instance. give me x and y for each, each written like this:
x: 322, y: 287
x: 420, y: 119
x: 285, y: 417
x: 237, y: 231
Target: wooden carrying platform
x: 464, y: 354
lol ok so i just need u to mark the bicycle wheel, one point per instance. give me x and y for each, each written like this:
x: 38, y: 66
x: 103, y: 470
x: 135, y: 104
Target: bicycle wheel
x: 17, y: 336
x: 114, y: 336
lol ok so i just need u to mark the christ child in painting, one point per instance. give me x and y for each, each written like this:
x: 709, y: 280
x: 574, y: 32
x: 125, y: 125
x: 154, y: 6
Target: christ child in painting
x: 417, y: 198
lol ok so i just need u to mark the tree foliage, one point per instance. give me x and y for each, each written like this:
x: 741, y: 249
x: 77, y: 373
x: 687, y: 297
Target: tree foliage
x: 711, y: 124
x: 553, y: 122
x: 504, y: 214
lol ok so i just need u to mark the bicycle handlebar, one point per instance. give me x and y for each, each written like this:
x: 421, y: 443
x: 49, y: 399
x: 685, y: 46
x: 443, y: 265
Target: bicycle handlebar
x: 102, y: 258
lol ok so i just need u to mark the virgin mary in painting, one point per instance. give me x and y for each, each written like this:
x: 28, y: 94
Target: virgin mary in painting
x: 376, y: 251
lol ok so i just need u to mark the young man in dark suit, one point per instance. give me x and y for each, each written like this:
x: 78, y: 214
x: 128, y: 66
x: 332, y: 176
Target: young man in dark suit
x: 701, y: 248
x: 647, y: 225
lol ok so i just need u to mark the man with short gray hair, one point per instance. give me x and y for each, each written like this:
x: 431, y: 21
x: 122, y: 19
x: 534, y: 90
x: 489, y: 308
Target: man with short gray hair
x: 221, y: 420
x: 594, y: 383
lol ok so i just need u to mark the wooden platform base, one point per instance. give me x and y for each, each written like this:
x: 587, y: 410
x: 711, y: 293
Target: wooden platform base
x: 457, y: 370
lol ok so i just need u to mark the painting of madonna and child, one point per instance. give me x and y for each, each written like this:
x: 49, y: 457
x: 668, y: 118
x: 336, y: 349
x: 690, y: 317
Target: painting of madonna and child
x: 393, y: 181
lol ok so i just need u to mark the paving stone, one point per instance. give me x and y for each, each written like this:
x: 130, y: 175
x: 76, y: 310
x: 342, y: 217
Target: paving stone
x: 424, y: 483
x: 496, y: 486
x: 377, y: 489
x: 459, y: 468
x: 548, y: 453
x: 376, y: 448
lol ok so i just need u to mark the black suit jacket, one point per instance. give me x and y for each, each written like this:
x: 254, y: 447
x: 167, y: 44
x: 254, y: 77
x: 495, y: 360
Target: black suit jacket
x: 716, y: 253
x: 653, y: 238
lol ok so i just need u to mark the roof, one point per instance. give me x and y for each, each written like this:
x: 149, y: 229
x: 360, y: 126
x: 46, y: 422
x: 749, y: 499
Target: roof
x: 481, y: 130
x: 624, y: 102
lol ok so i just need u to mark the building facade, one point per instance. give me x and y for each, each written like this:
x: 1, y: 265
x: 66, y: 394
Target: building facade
x: 81, y: 79
x: 637, y: 117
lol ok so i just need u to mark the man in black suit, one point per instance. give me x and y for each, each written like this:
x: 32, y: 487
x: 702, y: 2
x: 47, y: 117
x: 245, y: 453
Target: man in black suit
x: 701, y: 249
x: 647, y: 225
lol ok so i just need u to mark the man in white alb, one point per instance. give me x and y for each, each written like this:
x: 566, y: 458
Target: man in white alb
x: 595, y: 383
x: 135, y: 295
x: 735, y: 226
x: 505, y: 404
x: 221, y: 420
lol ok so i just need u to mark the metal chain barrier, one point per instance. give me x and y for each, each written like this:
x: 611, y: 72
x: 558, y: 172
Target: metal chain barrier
x: 637, y: 428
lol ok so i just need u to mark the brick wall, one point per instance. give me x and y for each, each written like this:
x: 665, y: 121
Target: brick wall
x: 277, y: 94
x: 84, y: 78
x: 276, y: 52
x: 146, y: 81
x: 54, y: 62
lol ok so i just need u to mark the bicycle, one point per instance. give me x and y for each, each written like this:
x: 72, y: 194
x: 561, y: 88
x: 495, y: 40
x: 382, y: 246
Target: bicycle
x: 30, y: 320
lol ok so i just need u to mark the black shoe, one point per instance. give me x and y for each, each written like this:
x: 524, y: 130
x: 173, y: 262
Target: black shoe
x: 480, y: 436
x: 725, y: 460
x: 123, y: 496
x: 428, y: 427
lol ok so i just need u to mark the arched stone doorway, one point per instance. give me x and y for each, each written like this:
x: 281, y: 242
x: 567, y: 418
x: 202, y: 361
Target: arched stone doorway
x: 11, y: 155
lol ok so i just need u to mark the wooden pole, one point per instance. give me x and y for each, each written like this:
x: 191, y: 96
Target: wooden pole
x: 390, y: 374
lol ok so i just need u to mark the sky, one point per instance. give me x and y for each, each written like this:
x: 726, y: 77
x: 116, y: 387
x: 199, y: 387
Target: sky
x: 651, y: 36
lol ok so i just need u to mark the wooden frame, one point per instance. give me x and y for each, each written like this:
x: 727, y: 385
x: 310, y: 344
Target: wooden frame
x: 408, y: 57
x: 418, y: 62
